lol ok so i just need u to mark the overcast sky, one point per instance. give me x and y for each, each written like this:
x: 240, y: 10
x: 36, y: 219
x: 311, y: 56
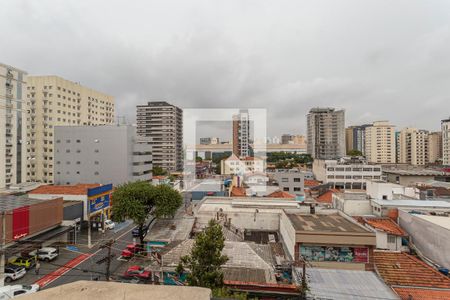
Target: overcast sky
x: 377, y: 59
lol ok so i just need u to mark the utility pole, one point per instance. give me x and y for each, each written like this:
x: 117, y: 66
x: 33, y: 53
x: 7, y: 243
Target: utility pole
x: 2, y: 258
x: 107, y: 258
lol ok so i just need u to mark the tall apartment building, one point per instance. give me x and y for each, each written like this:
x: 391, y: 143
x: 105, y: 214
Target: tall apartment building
x: 380, y: 143
x: 434, y: 147
x: 12, y: 126
x: 445, y: 125
x: 355, y: 138
x: 163, y: 122
x: 326, y: 133
x: 413, y: 146
x: 55, y: 101
x: 209, y: 141
x: 101, y: 154
x: 241, y: 134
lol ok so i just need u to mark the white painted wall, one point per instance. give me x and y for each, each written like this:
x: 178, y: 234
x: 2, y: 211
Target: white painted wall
x: 287, y: 233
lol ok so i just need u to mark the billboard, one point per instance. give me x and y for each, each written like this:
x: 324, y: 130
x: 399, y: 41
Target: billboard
x: 99, y: 198
x: 337, y: 254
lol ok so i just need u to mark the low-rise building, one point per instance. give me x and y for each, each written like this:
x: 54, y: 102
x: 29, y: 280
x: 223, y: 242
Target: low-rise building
x: 410, y: 277
x: 389, y: 234
x: 234, y: 165
x: 328, y: 240
x: 389, y: 208
x: 410, y: 177
x: 352, y: 203
x: 429, y: 234
x: 346, y: 173
x: 377, y: 189
x: 291, y: 181
x: 101, y: 154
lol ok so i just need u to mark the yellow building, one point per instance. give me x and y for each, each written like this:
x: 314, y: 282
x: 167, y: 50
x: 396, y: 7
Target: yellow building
x: 380, y: 143
x: 55, y: 101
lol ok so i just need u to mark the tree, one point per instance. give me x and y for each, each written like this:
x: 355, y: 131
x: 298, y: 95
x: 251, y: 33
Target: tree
x: 198, y: 159
x: 158, y: 171
x: 206, y: 259
x: 136, y: 200
x: 354, y: 152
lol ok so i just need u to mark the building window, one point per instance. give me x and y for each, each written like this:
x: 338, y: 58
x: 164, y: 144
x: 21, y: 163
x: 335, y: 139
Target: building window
x: 96, y: 151
x: 284, y: 179
x: 96, y: 173
x: 297, y: 189
x: 297, y: 180
x: 96, y: 162
x: 391, y: 239
x: 286, y: 189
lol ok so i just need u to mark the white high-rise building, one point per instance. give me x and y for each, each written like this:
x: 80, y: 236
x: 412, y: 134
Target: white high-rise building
x: 12, y: 126
x: 413, y: 146
x: 445, y: 124
x: 326, y: 133
x: 380, y: 143
x: 55, y: 101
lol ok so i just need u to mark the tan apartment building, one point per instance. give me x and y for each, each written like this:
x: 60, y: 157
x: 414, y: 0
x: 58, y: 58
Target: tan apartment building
x: 12, y: 125
x: 55, y: 101
x: 380, y: 143
x: 434, y: 147
x: 413, y: 146
x: 446, y: 142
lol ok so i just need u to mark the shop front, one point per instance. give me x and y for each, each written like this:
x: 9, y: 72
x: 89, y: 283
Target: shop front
x: 98, y: 208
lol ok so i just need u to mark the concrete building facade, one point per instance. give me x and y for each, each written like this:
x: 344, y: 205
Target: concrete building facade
x: 355, y: 138
x: 241, y: 134
x: 101, y: 154
x: 326, y: 133
x: 163, y: 123
x: 12, y: 126
x: 346, y: 173
x: 291, y: 182
x: 434, y: 147
x: 55, y: 101
x: 445, y: 124
x: 413, y: 146
x: 380, y: 143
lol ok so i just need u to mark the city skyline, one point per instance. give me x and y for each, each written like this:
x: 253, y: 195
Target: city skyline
x: 210, y: 63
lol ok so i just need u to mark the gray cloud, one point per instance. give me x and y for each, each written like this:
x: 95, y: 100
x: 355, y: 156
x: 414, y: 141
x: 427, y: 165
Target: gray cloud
x: 377, y: 59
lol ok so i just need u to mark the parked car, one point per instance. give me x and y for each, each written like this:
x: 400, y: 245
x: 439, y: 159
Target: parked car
x: 45, y: 253
x: 131, y: 250
x: 13, y: 272
x: 27, y: 262
x: 137, y: 272
x: 135, y: 231
x: 110, y: 224
x: 12, y: 291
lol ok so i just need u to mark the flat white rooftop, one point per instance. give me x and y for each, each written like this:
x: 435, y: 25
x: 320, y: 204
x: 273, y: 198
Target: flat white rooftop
x: 438, y: 220
x: 413, y: 203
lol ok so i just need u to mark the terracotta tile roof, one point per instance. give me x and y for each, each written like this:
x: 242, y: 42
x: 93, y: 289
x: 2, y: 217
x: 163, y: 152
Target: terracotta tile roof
x: 159, y: 177
x: 311, y: 183
x: 401, y: 269
x: 384, y: 224
x: 281, y: 194
x: 327, y: 197
x: 418, y: 293
x: 238, y: 192
x: 78, y: 189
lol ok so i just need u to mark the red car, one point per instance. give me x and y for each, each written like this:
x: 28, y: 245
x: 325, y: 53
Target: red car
x: 131, y: 250
x: 137, y: 272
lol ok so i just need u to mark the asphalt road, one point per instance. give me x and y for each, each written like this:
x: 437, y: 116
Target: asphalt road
x: 89, y: 269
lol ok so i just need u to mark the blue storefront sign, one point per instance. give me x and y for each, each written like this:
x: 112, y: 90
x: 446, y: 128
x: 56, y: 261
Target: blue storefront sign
x: 99, y: 198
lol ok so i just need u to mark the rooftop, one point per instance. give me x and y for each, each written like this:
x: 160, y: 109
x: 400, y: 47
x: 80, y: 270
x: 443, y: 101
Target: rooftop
x: 324, y: 223
x: 401, y: 269
x: 413, y: 203
x: 311, y: 183
x: 415, y: 172
x: 327, y: 197
x: 383, y: 224
x: 120, y: 291
x: 346, y: 284
x: 238, y: 192
x: 9, y: 202
x: 168, y: 230
x: 437, y: 220
x: 281, y: 194
x: 418, y: 293
x: 78, y: 189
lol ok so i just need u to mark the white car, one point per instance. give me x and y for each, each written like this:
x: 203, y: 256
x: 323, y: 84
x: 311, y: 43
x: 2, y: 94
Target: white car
x: 110, y: 224
x: 46, y: 253
x: 12, y: 291
x: 13, y: 272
